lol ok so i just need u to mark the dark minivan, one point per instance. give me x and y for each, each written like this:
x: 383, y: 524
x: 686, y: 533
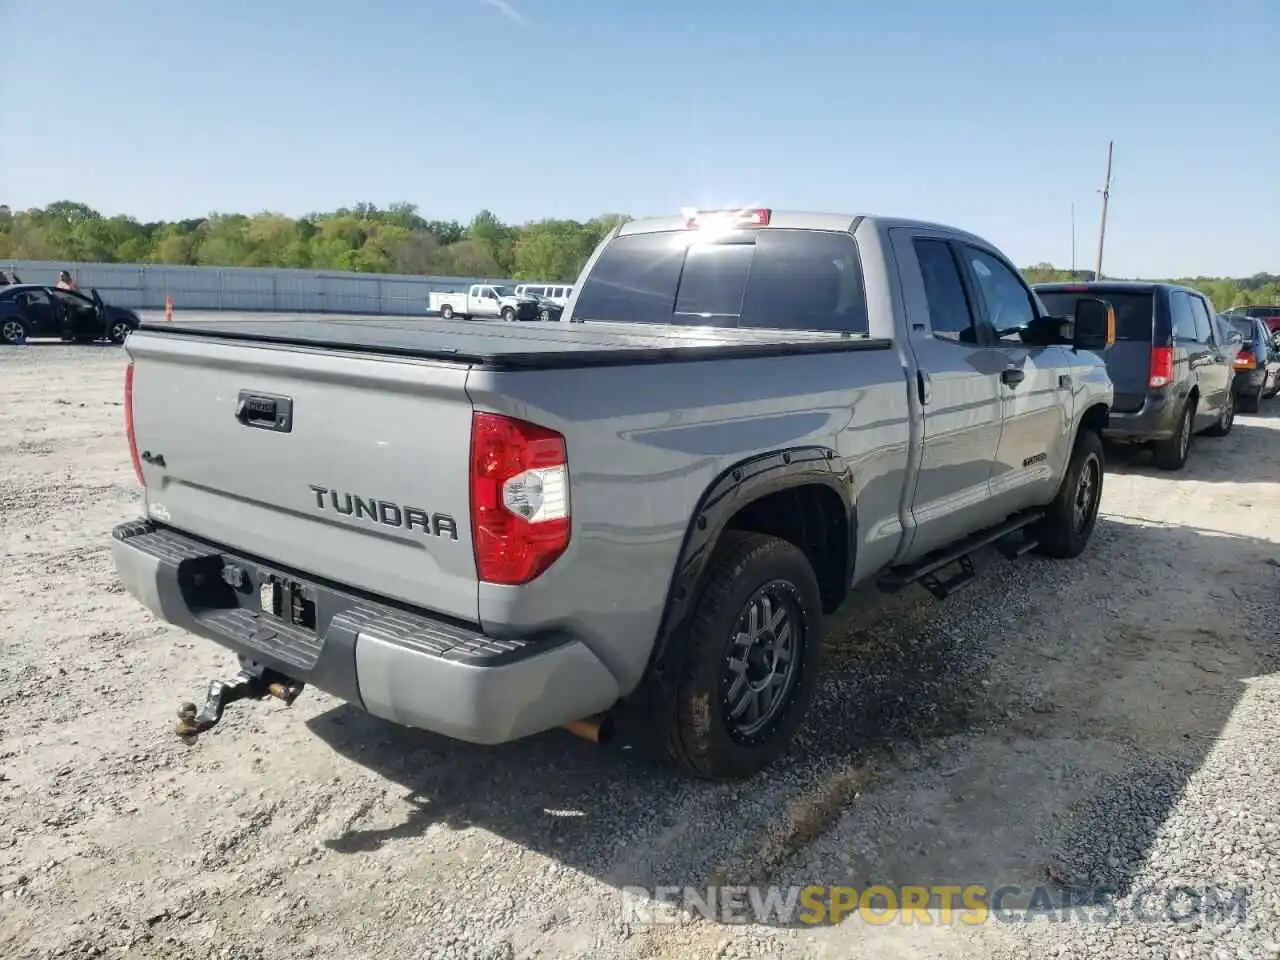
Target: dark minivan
x: 1172, y: 378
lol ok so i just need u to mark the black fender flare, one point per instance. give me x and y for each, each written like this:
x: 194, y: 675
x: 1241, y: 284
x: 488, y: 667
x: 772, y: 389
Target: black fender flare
x: 741, y: 484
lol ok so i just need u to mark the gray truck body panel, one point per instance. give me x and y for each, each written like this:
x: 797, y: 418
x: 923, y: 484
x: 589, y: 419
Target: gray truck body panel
x: 917, y: 433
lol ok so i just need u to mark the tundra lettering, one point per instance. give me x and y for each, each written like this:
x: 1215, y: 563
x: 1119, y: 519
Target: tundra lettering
x: 386, y: 512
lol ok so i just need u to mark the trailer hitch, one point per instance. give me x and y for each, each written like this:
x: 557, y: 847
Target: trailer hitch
x: 247, y: 684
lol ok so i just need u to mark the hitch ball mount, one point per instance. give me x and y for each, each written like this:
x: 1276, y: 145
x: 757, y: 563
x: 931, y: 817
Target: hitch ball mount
x: 247, y: 684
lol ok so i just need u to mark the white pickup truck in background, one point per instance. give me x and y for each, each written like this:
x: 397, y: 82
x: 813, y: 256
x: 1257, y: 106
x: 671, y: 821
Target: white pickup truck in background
x: 483, y: 300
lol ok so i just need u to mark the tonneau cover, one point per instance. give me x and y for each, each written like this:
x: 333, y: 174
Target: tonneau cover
x: 525, y: 344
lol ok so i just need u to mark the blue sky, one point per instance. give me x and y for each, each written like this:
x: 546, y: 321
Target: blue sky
x: 993, y: 116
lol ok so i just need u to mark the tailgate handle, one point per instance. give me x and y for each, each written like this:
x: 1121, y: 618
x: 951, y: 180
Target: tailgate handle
x: 265, y: 411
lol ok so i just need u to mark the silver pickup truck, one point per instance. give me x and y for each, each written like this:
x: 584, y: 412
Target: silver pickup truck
x: 644, y: 509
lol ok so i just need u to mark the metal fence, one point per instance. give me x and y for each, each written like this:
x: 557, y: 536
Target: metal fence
x: 145, y: 286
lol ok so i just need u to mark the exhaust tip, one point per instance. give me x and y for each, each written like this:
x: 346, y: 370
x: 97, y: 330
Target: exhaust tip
x: 597, y: 729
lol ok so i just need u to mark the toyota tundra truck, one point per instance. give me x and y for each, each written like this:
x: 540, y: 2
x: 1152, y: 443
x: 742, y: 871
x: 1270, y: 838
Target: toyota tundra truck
x: 643, y: 510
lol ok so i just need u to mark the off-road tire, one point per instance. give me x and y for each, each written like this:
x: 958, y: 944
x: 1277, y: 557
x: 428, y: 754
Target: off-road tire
x: 1064, y: 532
x: 688, y: 711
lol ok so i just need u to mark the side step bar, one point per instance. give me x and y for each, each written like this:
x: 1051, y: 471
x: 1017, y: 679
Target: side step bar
x: 928, y: 570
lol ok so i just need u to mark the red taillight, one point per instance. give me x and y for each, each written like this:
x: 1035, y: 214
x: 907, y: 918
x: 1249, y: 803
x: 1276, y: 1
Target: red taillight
x: 1161, y: 367
x: 128, y: 423
x: 519, y: 498
x: 1245, y: 360
x: 758, y: 217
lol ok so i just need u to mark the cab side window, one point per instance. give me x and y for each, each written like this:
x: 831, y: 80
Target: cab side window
x: 949, y: 313
x: 1006, y: 297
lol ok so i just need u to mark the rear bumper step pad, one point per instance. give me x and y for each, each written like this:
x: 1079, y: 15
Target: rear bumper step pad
x: 403, y: 665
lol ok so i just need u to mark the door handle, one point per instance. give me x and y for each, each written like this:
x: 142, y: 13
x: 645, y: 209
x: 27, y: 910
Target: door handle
x: 1012, y: 376
x: 924, y: 386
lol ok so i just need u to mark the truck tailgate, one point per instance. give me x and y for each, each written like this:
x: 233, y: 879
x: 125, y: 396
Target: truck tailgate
x: 349, y: 468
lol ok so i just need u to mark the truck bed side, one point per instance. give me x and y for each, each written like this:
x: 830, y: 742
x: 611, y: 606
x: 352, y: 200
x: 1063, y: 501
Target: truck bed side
x: 646, y: 442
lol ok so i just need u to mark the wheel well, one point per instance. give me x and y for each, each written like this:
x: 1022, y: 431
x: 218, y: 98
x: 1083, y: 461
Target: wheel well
x: 1096, y: 418
x: 813, y: 517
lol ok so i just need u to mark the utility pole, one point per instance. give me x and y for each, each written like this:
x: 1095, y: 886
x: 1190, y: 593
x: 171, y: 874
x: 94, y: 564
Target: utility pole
x: 1106, y: 195
x: 1073, y: 240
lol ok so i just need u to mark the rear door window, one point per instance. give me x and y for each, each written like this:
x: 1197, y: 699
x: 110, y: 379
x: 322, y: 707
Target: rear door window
x: 1135, y: 312
x: 1200, y: 314
x: 949, y: 313
x: 769, y: 279
x: 1184, y: 321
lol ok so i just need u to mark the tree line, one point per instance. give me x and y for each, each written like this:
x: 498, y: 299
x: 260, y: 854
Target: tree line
x: 394, y: 239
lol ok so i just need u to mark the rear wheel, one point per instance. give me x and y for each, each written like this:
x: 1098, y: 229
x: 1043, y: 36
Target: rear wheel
x: 120, y: 331
x: 1171, y: 454
x: 1227, y: 418
x: 13, y: 331
x: 446, y: 312
x: 1069, y: 520
x: 747, y: 660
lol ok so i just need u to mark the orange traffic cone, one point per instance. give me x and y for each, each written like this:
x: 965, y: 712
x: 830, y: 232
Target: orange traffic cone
x: 168, y: 307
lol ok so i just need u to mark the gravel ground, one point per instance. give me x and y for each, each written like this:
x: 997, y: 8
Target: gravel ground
x: 1104, y: 721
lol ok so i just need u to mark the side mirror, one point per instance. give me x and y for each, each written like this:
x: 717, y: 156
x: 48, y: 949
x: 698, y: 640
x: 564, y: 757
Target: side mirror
x: 1094, y: 325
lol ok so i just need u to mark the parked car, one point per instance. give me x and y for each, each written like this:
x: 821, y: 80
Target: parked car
x: 644, y: 513
x: 550, y: 310
x: 1172, y: 374
x: 29, y: 310
x: 1270, y: 315
x: 483, y: 300
x: 1257, y: 365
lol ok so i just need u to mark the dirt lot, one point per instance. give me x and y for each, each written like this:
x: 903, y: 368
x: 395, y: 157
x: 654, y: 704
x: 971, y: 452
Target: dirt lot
x: 1109, y: 720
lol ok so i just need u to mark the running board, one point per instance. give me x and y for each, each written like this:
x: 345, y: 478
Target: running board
x: 928, y: 571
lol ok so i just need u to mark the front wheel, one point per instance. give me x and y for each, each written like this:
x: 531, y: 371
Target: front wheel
x: 13, y: 331
x: 1069, y: 520
x: 508, y: 314
x: 748, y: 660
